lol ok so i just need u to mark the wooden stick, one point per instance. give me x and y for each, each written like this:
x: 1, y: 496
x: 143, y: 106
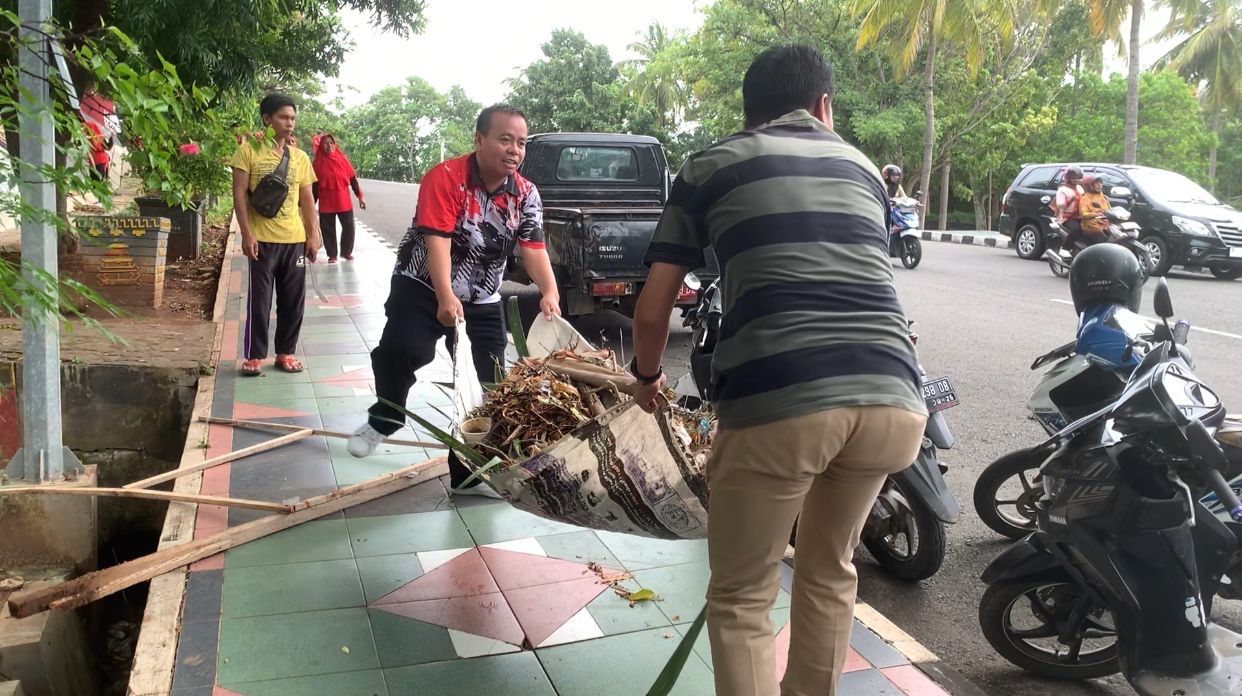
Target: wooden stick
x: 281, y: 427
x: 85, y: 589
x: 592, y: 374
x: 216, y: 461
x: 151, y: 495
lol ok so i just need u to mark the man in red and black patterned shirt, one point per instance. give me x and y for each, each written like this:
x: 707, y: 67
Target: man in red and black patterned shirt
x: 473, y: 211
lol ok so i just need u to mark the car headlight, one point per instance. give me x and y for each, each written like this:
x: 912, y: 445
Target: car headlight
x: 1192, y: 227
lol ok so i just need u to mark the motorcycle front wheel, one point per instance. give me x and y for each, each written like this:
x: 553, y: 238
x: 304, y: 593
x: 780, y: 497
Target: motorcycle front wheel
x: 909, y: 542
x: 1058, y: 269
x: 1023, y: 622
x: 1006, y: 492
x: 911, y: 252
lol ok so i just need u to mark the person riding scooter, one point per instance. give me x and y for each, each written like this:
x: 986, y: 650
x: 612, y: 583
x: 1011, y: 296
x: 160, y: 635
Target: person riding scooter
x: 1065, y: 206
x: 892, y: 181
x: 1092, y: 206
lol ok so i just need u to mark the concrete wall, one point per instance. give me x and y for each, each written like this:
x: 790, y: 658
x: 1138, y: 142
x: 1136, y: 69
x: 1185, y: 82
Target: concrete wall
x: 110, y: 407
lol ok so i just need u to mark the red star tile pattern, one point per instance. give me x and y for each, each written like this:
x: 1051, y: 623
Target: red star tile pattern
x: 518, y: 598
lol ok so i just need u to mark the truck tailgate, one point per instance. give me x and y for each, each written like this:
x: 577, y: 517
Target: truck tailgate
x: 616, y: 246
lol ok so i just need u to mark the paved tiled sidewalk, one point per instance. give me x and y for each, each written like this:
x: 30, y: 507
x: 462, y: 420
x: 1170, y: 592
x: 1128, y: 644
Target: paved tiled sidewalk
x: 414, y: 594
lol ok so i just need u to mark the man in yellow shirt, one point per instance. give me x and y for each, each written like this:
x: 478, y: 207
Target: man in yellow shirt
x: 278, y: 247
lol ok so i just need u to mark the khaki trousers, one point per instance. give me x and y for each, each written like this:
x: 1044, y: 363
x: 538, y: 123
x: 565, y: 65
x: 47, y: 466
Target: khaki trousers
x: 828, y: 467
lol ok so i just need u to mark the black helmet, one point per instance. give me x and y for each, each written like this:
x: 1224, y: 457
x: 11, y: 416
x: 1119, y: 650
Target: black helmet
x: 891, y: 169
x: 1073, y: 172
x: 1105, y: 273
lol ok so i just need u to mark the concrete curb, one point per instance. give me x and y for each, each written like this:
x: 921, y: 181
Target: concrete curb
x: 989, y: 240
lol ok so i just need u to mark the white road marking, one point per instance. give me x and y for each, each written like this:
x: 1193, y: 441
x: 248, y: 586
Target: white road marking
x: 1214, y: 332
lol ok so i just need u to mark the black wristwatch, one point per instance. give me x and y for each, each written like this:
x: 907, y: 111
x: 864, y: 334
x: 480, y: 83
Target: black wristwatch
x: 643, y: 379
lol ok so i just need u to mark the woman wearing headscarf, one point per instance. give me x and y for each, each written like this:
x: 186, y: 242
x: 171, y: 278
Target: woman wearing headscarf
x: 336, y: 176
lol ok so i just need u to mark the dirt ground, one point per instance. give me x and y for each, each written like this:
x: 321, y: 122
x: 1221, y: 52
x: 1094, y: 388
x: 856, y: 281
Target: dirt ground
x: 179, y: 333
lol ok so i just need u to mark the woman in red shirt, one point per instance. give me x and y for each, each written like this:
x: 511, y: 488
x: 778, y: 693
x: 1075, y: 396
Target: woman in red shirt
x: 100, y: 160
x: 336, y: 176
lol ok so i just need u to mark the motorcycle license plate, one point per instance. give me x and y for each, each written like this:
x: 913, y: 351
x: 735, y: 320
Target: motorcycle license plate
x: 939, y: 395
x: 1235, y: 252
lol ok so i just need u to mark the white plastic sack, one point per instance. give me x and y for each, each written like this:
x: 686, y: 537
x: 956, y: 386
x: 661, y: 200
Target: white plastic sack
x: 546, y: 337
x: 467, y: 391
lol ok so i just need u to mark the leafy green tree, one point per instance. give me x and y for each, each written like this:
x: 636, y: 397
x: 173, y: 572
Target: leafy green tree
x: 1210, y: 54
x: 911, y: 27
x: 575, y: 87
x: 1106, y: 18
x: 656, y: 80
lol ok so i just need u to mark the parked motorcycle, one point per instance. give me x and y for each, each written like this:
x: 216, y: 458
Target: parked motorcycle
x: 1007, y: 489
x: 1121, y: 230
x: 903, y: 235
x: 905, y: 529
x: 1121, y: 571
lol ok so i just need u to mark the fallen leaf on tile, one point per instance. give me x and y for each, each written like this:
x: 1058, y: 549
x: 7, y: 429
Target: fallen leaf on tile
x: 345, y: 649
x: 643, y: 595
x: 677, y: 618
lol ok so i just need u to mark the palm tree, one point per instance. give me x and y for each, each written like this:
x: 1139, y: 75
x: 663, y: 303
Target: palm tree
x: 655, y: 79
x: 1106, y: 19
x: 1209, y: 55
x: 910, y: 26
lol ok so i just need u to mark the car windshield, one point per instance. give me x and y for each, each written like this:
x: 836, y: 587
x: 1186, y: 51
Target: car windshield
x: 1169, y: 187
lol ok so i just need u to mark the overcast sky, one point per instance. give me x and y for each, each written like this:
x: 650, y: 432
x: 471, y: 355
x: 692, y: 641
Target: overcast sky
x: 479, y: 44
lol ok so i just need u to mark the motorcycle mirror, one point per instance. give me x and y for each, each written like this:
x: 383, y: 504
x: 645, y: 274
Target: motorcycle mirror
x: 1162, y: 302
x: 1120, y: 192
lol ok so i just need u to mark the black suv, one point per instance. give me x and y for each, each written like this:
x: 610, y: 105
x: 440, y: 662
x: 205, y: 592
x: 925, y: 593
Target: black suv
x: 1182, y: 224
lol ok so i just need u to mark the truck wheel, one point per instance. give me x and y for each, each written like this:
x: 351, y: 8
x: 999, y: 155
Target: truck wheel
x: 1158, y: 252
x: 1028, y: 241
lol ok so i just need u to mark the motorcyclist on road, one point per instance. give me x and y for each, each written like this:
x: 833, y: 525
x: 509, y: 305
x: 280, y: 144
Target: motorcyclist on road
x: 1065, y: 206
x: 892, y: 181
x: 1092, y: 205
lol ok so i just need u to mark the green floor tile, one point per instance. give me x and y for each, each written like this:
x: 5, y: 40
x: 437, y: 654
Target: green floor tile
x: 622, y: 665
x: 337, y: 360
x: 337, y: 405
x: 497, y: 675
x: 315, y: 374
x: 351, y: 470
x: 615, y: 616
x: 400, y: 641
x: 295, y: 645
x: 264, y: 392
x: 361, y: 387
x: 383, y: 574
x: 638, y: 553
x: 582, y: 547
x: 302, y: 587
x: 420, y: 531
x: 783, y: 600
x: 366, y: 683
x: 329, y: 333
x: 319, y: 540
x: 682, y: 589
x: 492, y: 524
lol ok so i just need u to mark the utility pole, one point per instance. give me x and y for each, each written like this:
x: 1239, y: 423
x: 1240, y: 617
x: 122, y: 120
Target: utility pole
x: 42, y: 456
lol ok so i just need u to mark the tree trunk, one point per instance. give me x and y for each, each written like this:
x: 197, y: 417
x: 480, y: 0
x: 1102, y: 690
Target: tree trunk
x: 1132, y: 83
x: 979, y: 198
x: 929, y: 119
x: 991, y: 201
x: 1216, y: 128
x: 944, y: 195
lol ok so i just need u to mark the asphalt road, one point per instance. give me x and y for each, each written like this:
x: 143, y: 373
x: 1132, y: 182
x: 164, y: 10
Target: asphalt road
x: 982, y: 316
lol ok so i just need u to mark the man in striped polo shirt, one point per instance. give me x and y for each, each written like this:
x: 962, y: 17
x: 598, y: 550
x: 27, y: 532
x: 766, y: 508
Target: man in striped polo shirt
x: 816, y: 383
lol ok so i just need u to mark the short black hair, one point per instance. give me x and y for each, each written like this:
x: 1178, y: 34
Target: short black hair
x: 275, y: 102
x: 483, y: 123
x: 784, y: 79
